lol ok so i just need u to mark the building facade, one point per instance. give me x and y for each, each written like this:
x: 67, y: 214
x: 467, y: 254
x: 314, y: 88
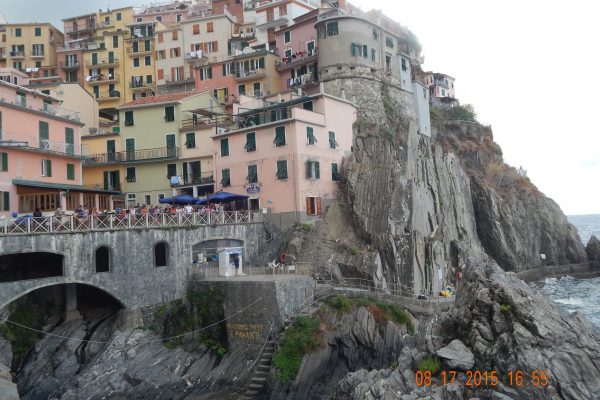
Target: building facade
x: 286, y: 153
x: 31, y: 45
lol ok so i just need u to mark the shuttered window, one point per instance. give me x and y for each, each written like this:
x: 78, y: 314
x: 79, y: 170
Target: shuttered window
x: 335, y: 174
x: 310, y: 135
x: 279, y: 136
x: 225, y: 178
x: 252, y: 174
x: 71, y: 172
x: 224, y: 147
x: 4, y: 166
x: 282, y: 172
x: 250, y: 141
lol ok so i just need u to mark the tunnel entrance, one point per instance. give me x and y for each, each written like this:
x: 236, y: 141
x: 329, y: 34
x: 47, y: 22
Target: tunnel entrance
x: 24, y: 266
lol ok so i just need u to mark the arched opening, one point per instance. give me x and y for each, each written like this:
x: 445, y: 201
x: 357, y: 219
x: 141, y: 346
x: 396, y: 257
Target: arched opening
x: 102, y: 259
x: 161, y: 254
x: 24, y: 266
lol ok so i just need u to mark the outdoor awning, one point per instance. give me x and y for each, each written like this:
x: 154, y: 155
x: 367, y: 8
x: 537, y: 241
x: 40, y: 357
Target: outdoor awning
x: 180, y: 199
x: 222, y: 197
x: 63, y: 187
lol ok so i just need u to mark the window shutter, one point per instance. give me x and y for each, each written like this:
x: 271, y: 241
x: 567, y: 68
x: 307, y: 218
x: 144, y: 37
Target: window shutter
x: 209, y: 72
x: 308, y: 176
x: 71, y: 172
x: 49, y: 164
x: 365, y: 51
x: 308, y: 206
x: 224, y: 71
x: 224, y: 147
x: 4, y: 162
x: 6, y: 200
x: 353, y: 49
x: 185, y: 171
x: 105, y: 180
x: 317, y: 170
x: 261, y: 62
x: 319, y: 206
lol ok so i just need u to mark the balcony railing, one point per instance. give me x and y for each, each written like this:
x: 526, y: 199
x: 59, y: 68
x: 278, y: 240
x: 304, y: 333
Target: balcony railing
x: 191, y: 180
x: 112, y: 95
x: 248, y: 75
x: 102, y: 79
x: 37, y: 54
x: 296, y: 60
x: 140, y: 50
x: 132, y: 156
x: 105, y: 62
x: 302, y: 80
x: 141, y: 86
x: 27, y: 225
x: 35, y: 144
x: 71, y: 65
x: 204, y: 121
x: 73, y: 30
x: 60, y: 112
x: 17, y: 54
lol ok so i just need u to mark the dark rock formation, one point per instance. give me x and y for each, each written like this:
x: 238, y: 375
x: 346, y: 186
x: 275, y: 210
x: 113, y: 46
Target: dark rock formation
x: 8, y: 390
x: 456, y: 356
x: 593, y: 249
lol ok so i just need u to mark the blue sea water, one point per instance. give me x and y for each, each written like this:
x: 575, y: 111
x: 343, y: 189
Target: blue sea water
x: 581, y: 295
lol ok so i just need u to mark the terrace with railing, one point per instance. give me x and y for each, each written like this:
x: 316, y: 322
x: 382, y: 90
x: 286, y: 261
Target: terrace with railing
x: 132, y: 156
x: 28, y: 225
x: 35, y: 144
x: 37, y: 104
x: 204, y: 178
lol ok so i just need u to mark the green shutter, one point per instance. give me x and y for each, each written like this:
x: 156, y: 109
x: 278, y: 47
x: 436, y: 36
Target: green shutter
x: 365, y: 51
x: 171, y: 170
x: 250, y: 141
x: 252, y: 174
x: 280, y: 136
x: 4, y: 162
x: 71, y: 172
x: 332, y: 143
x: 317, y: 170
x: 115, y: 42
x: 308, y: 174
x: 116, y: 180
x: 49, y: 165
x: 6, y: 201
x: 190, y: 140
x: 224, y: 147
x: 353, y: 49
x: 261, y: 62
x: 282, y: 169
x: 225, y: 178
x: 106, y: 180
x: 69, y: 139
x: 43, y: 132
x: 310, y: 135
x: 335, y: 175
x: 209, y: 73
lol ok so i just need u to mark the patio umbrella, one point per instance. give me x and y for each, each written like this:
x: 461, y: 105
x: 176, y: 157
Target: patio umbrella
x: 222, y: 197
x: 180, y: 199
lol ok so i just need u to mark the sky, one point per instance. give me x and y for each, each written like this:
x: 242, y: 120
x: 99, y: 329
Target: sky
x: 528, y: 68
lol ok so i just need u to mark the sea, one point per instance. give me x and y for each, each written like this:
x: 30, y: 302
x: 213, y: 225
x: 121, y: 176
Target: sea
x: 582, y: 295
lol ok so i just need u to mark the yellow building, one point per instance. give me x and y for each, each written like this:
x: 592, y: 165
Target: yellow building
x: 140, y: 65
x: 30, y: 45
x: 166, y: 145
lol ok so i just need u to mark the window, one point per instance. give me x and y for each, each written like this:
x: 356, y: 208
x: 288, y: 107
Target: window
x: 313, y: 170
x: 38, y: 31
x: 332, y: 143
x: 196, y: 29
x: 404, y: 66
x: 102, y: 259
x: 179, y: 17
x: 159, y: 197
x: 373, y: 55
x: 47, y: 168
x: 130, y: 174
x: 159, y: 18
x: 358, y: 50
x: 169, y: 113
x: 5, y: 201
x: 209, y: 27
x: 118, y: 16
x: 225, y: 178
x: 224, y: 147
x: 174, y: 35
x: 171, y: 170
x: 250, y: 141
x: 228, y: 69
x: 307, y: 105
x: 282, y: 172
x: 4, y: 166
x: 241, y: 90
x: 161, y: 251
x: 147, y: 199
x: 160, y: 74
x: 71, y: 172
x: 149, y: 79
x: 375, y: 34
x: 313, y: 206
x: 279, y: 136
x: 160, y: 37
x: 69, y: 140
x: 335, y: 174
x: 128, y: 118
x: 310, y: 135
x: 131, y: 198
x: 332, y: 28
x: 287, y: 37
x: 18, y: 32
x: 190, y: 140
x: 288, y: 53
x: 148, y: 61
x: 136, y: 62
x: 252, y: 174
x: 115, y: 42
x: 205, y: 73
x: 43, y: 126
x: 389, y: 42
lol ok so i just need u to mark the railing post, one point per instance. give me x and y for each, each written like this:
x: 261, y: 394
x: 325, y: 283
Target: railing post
x: 146, y: 217
x: 236, y: 216
x: 50, y: 219
x: 179, y: 223
x: 92, y: 217
x: 110, y: 221
x: 28, y: 225
x: 129, y: 220
x: 209, y: 217
x: 163, y: 219
x: 194, y: 218
x: 71, y: 223
x: 5, y: 229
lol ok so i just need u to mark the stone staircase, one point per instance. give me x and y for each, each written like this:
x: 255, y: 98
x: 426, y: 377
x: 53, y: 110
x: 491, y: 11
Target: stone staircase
x: 261, y: 372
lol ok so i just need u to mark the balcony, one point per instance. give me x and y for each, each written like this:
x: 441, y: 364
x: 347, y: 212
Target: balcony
x: 37, y: 54
x: 194, y: 56
x: 31, y: 143
x: 243, y: 36
x: 107, y: 62
x: 111, y: 96
x: 202, y: 122
x: 297, y: 60
x: 302, y: 80
x: 242, y: 76
x: 138, y: 51
x: 205, y: 178
x: 69, y: 66
x: 162, y: 153
x: 17, y: 54
x: 179, y: 80
x: 263, y: 22
x: 141, y: 86
x: 441, y: 83
x: 76, y: 30
x: 101, y: 79
x: 38, y: 106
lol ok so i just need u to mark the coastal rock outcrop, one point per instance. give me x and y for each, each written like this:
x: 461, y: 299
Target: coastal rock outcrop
x: 456, y: 356
x: 593, y: 249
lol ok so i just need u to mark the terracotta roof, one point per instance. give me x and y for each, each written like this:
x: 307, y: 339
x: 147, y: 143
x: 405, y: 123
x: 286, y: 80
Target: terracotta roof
x: 165, y: 98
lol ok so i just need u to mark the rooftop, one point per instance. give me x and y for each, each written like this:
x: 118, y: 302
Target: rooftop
x: 165, y: 98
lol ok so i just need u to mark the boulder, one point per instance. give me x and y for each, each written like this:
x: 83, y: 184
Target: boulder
x: 593, y: 249
x: 457, y: 356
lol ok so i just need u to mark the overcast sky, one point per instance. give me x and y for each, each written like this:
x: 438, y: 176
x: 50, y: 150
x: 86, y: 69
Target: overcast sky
x: 528, y: 67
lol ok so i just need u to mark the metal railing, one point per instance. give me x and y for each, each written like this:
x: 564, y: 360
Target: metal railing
x: 27, y: 225
x: 205, y: 178
x: 133, y: 155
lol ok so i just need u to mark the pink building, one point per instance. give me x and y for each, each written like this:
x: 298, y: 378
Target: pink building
x: 40, y: 151
x: 297, y: 45
x: 286, y: 153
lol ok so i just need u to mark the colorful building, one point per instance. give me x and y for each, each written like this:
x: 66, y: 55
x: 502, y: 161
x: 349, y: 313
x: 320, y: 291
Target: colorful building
x: 30, y: 45
x: 152, y: 134
x: 41, y: 155
x: 441, y: 87
x: 286, y: 153
x: 173, y: 74
x: 274, y: 14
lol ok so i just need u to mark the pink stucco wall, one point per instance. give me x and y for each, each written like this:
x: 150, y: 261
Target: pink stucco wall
x: 283, y: 196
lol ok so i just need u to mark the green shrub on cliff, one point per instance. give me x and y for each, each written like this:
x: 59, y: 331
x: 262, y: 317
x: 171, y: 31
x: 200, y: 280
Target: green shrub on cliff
x: 28, y: 314
x: 299, y: 339
x: 431, y: 364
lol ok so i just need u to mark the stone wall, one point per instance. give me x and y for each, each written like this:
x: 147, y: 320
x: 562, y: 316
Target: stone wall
x: 583, y: 270
x: 133, y: 279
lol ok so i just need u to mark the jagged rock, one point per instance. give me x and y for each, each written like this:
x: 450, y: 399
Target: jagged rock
x: 457, y: 356
x: 593, y: 249
x: 6, y: 354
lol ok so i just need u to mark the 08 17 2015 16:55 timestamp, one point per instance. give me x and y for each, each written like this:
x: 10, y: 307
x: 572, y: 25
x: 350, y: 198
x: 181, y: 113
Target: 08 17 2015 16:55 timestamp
x: 476, y: 378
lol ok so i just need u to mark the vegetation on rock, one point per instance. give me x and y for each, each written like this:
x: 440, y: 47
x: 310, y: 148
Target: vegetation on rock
x: 300, y: 338
x: 431, y: 364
